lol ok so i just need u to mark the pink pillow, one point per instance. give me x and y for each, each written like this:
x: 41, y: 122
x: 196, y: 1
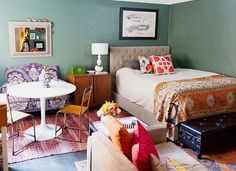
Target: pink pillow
x: 162, y: 65
x: 142, y: 147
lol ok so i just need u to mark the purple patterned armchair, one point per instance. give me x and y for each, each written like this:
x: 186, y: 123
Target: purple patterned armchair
x: 29, y: 73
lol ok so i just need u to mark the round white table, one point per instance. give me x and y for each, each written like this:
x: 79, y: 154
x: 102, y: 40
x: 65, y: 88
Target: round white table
x: 35, y: 90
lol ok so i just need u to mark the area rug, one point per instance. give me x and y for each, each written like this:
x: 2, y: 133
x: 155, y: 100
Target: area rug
x: 219, y: 160
x: 54, y: 146
x: 81, y: 165
x: 224, y: 160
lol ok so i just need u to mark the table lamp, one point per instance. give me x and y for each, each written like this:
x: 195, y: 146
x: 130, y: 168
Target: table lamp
x: 99, y: 49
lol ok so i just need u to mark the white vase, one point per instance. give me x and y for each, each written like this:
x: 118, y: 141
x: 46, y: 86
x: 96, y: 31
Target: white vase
x: 103, y: 119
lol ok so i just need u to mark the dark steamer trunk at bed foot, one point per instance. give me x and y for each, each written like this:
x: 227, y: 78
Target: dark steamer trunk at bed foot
x: 207, y: 134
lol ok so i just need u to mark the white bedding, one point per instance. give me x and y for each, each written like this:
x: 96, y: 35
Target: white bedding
x: 139, y: 88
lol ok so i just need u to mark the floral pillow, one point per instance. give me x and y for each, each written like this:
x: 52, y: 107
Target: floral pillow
x: 145, y: 64
x: 162, y: 65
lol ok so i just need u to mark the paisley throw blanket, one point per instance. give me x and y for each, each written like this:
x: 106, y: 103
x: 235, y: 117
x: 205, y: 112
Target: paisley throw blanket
x: 178, y: 101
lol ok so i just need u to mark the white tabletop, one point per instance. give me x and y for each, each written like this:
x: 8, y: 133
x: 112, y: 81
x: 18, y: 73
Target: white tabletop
x: 36, y: 90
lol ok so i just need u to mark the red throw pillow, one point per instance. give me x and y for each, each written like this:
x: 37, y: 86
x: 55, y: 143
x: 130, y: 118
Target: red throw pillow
x: 142, y: 147
x: 162, y: 65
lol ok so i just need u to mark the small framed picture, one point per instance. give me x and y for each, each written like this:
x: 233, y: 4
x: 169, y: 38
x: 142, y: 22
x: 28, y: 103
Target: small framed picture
x: 39, y: 45
x: 136, y: 23
x: 32, y: 36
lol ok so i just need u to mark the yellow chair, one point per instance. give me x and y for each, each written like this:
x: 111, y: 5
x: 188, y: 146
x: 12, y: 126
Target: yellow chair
x: 13, y: 118
x: 75, y: 110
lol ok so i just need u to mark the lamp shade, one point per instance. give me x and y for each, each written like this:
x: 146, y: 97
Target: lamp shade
x: 99, y: 48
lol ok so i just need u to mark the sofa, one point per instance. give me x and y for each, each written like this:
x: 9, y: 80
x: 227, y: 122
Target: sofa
x: 102, y: 155
x: 28, y: 73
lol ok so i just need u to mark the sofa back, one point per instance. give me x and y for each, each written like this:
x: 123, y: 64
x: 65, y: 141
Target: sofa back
x: 28, y: 73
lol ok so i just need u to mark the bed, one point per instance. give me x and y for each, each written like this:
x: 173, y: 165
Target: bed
x: 144, y: 95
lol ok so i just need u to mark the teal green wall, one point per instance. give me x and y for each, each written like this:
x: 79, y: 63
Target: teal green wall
x: 78, y: 23
x: 202, y: 35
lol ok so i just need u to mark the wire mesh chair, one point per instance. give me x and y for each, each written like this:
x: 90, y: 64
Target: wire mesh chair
x: 13, y: 119
x: 75, y: 110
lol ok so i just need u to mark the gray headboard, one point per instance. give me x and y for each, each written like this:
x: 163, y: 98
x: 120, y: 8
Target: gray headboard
x: 120, y: 54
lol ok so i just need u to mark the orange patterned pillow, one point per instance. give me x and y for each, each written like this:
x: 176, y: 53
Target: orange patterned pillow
x: 162, y: 65
x: 119, y: 135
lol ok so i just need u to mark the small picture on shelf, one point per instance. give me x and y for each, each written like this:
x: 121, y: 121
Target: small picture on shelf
x: 32, y: 36
x: 39, y: 45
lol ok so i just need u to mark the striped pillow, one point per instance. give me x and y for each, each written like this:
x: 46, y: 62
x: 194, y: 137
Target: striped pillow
x: 142, y: 147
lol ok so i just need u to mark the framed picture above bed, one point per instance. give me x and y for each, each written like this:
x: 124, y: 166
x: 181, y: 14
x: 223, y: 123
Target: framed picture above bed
x: 137, y: 23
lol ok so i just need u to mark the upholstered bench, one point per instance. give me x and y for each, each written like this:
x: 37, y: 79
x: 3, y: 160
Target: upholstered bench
x: 206, y: 134
x: 29, y: 73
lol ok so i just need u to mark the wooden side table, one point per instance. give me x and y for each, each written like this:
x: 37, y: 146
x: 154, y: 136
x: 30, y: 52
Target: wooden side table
x: 101, y: 87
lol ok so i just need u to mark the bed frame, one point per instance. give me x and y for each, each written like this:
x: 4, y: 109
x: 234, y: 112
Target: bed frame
x: 118, y: 55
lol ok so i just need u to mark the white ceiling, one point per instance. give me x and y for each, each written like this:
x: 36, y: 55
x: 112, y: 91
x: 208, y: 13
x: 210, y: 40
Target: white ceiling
x: 166, y: 2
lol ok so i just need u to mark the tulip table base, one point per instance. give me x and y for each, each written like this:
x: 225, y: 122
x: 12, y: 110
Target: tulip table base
x: 43, y: 132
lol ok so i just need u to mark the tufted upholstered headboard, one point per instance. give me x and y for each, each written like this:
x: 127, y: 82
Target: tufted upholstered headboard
x: 118, y: 55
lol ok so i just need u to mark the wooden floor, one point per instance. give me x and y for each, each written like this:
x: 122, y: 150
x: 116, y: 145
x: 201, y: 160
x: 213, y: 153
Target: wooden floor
x: 64, y: 162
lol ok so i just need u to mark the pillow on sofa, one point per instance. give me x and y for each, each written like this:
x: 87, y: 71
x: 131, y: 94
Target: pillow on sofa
x: 119, y: 135
x: 145, y: 64
x: 162, y: 65
x: 28, y: 72
x: 142, y: 147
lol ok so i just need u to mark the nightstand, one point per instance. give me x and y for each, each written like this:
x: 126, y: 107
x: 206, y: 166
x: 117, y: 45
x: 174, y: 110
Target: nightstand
x: 101, y: 87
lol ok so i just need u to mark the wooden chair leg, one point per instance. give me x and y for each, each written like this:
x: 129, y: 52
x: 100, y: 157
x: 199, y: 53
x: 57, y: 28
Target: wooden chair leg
x: 87, y: 113
x: 64, y: 120
x: 79, y: 128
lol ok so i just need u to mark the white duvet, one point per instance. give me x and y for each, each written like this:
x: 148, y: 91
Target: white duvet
x: 139, y: 88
